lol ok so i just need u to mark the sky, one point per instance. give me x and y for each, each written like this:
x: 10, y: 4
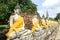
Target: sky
x: 52, y: 6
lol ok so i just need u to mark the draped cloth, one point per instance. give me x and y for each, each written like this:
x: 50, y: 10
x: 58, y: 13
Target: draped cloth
x: 18, y: 24
x: 35, y: 24
x: 44, y: 22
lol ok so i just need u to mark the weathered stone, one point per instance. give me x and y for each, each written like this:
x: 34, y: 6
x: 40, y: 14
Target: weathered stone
x: 12, y: 35
x: 21, y: 35
x: 27, y: 35
x: 37, y: 33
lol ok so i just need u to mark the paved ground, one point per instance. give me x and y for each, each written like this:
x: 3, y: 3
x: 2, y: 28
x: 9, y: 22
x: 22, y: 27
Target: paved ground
x: 58, y: 34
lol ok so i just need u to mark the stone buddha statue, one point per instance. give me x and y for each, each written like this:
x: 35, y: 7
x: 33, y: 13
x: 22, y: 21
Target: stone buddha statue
x: 17, y: 30
x: 15, y: 15
x: 15, y: 20
x: 35, y: 22
x: 36, y: 29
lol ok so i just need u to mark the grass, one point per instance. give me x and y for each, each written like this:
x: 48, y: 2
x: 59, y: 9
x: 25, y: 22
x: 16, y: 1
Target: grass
x: 2, y: 27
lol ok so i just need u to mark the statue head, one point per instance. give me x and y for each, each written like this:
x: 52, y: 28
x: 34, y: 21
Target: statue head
x: 35, y: 16
x: 17, y: 9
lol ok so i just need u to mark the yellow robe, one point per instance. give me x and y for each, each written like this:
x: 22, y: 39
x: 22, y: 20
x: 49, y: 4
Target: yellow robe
x: 41, y: 26
x: 17, y: 25
x: 36, y: 22
x: 45, y: 23
x: 52, y: 22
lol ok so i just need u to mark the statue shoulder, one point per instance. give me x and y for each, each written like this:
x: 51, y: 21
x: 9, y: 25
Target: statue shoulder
x: 11, y: 16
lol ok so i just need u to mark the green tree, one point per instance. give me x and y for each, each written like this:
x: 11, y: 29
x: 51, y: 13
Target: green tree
x: 7, y: 6
x: 57, y: 17
x: 51, y: 18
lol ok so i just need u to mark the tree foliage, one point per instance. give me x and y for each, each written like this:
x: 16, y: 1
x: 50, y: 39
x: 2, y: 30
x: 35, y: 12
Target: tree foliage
x: 51, y: 18
x: 57, y: 17
x: 7, y: 6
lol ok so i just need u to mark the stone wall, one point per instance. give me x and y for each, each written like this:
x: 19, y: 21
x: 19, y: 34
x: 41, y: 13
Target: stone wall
x: 28, y: 19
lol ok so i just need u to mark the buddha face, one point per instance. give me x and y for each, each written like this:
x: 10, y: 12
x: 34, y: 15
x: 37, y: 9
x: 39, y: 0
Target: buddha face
x: 16, y: 11
x: 35, y: 16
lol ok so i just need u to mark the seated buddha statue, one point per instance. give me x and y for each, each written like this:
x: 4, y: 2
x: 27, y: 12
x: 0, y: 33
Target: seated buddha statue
x: 17, y: 30
x: 16, y: 21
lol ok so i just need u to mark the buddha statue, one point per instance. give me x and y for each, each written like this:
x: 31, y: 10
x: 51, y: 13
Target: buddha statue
x: 17, y: 30
x: 14, y: 15
x: 16, y: 22
x: 35, y: 22
x: 36, y: 28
